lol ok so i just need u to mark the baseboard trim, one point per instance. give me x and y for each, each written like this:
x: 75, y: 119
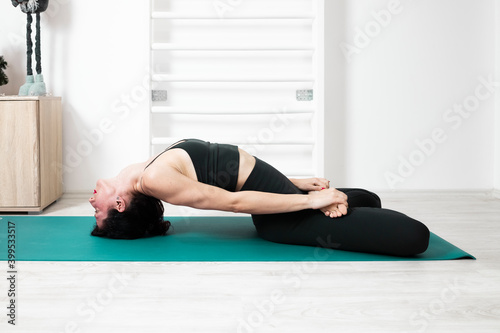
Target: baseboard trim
x: 434, y: 192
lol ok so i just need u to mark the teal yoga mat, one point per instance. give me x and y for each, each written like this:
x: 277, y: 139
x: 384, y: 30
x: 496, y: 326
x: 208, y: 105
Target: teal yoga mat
x: 67, y: 238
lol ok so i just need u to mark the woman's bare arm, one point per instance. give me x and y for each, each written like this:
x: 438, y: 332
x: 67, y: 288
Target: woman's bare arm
x: 175, y: 188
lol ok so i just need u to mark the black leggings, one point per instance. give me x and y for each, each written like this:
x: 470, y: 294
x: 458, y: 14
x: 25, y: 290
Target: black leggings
x: 366, y: 228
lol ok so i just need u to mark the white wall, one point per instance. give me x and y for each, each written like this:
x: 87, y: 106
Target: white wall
x: 497, y: 103
x: 392, y: 93
x: 95, y: 56
x: 400, y: 83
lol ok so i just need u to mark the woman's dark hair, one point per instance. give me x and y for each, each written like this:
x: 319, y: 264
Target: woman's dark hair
x: 142, y: 218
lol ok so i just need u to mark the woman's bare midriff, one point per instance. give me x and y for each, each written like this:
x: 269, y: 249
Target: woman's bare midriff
x: 180, y: 160
x: 247, y: 162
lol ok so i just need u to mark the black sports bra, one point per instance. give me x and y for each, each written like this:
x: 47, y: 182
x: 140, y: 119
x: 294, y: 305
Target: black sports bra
x: 215, y: 164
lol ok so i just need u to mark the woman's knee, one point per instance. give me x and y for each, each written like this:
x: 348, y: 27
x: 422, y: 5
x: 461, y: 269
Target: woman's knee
x: 416, y: 240
x: 358, y: 197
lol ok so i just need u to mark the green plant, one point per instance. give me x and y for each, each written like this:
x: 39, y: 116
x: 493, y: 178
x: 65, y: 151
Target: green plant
x: 3, y: 77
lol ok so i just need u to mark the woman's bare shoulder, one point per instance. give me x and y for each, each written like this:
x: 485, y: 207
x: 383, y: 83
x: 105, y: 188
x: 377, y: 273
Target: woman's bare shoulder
x: 168, y: 168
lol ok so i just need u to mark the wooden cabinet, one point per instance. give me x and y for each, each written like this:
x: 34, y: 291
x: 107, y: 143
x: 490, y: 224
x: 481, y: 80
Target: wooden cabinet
x: 30, y: 152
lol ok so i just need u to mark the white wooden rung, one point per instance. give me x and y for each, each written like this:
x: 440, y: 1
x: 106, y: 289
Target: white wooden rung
x: 239, y: 78
x: 234, y: 47
x: 231, y: 111
x: 257, y: 16
x: 249, y: 142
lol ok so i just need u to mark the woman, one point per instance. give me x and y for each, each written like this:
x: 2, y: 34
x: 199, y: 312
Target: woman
x: 224, y: 177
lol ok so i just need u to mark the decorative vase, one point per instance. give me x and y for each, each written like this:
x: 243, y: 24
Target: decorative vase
x: 25, y: 88
x: 38, y: 88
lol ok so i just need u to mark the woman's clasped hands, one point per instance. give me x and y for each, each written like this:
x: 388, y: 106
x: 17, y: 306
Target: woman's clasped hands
x: 330, y: 201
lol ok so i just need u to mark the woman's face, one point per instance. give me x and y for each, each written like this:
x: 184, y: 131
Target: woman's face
x: 103, y: 199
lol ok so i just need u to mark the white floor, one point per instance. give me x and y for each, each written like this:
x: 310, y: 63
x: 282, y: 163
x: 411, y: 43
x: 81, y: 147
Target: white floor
x: 440, y: 296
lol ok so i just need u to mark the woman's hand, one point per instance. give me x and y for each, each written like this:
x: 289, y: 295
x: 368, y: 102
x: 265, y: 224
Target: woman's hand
x: 331, y: 202
x: 311, y: 184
